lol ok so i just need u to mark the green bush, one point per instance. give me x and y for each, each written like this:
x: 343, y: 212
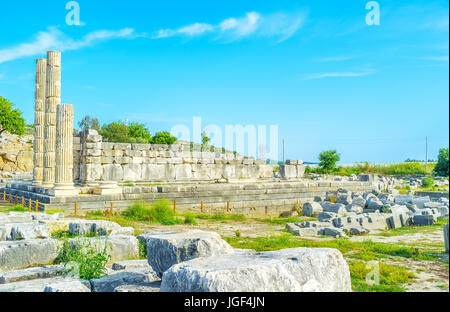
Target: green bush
x: 90, y: 258
x: 328, y: 160
x: 163, y: 138
x: 428, y: 181
x: 11, y: 119
x: 142, y: 250
x: 115, y: 132
x: 442, y: 166
x: 160, y: 212
x: 189, y: 218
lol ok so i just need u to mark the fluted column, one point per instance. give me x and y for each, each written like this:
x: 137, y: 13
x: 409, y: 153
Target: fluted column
x: 39, y: 121
x: 64, y: 147
x: 52, y: 98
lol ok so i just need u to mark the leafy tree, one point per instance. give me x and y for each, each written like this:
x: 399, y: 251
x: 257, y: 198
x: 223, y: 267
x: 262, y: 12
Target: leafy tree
x: 140, y: 132
x: 428, y: 181
x: 328, y: 160
x: 163, y: 138
x: 442, y: 166
x: 89, y: 123
x: 11, y: 119
x: 115, y: 132
x: 205, y: 140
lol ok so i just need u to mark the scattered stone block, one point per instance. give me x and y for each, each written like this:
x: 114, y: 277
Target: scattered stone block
x: 16, y: 255
x: 31, y: 273
x: 146, y: 287
x: 167, y: 249
x: 22, y: 231
x: 67, y: 285
x: 446, y: 237
x: 130, y: 264
x: 286, y: 270
x: 311, y: 209
x: 134, y: 277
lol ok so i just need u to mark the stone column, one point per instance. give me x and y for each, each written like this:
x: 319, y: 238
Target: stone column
x: 64, y: 151
x: 39, y: 120
x: 52, y: 98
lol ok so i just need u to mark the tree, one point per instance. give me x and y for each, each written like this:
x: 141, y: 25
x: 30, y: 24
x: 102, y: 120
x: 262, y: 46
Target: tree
x: 89, y: 123
x: 140, y: 132
x: 442, y: 166
x: 11, y: 119
x: 205, y: 140
x: 115, y: 132
x: 163, y: 138
x: 328, y: 160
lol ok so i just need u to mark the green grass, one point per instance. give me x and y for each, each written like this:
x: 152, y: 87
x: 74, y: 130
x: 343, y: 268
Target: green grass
x: 414, y: 229
x: 399, y: 169
x: 392, y: 277
x: 159, y: 212
x: 17, y: 208
x: 284, y: 220
x: 218, y: 216
x: 366, y: 250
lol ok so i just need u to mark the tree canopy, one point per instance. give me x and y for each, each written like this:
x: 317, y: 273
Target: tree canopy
x: 11, y: 119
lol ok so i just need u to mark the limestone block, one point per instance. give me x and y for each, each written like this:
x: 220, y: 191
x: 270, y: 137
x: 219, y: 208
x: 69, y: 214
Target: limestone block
x: 311, y: 209
x: 67, y: 285
x: 229, y: 172
x: 130, y: 264
x: 132, y: 172
x: 183, y: 172
x: 46, y: 271
x: 93, y: 152
x: 286, y: 270
x: 16, y: 255
x: 288, y: 171
x: 108, y: 283
x: 300, y: 171
x: 93, y: 172
x: 106, y: 146
x: 333, y: 207
x: 96, y: 146
x: 122, y: 146
x: 167, y: 249
x: 153, y: 172
x: 265, y: 171
x: 23, y: 231
x: 112, y: 172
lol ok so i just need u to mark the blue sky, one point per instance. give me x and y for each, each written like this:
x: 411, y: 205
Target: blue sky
x: 314, y: 68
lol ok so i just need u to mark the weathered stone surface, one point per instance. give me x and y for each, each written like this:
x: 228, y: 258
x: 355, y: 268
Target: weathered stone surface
x: 374, y: 222
x: 22, y: 231
x: 311, y: 209
x: 422, y: 220
x: 295, y: 229
x: 374, y: 203
x: 326, y: 216
x: 359, y: 200
x: 112, y: 172
x: 67, y: 285
x: 99, y: 227
x: 3, y: 234
x: 31, y: 273
x: 446, y: 237
x: 167, y: 249
x: 130, y: 277
x: 332, y: 207
x: 36, y: 285
x: 22, y: 254
x: 120, y: 247
x: 355, y: 230
x: 332, y: 231
x: 146, y: 287
x: 287, y: 270
x: 130, y: 264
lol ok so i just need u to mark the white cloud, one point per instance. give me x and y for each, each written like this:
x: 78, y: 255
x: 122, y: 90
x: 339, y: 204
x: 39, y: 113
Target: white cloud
x: 54, y: 39
x: 282, y: 25
x: 337, y: 75
x: 437, y: 58
x: 335, y: 58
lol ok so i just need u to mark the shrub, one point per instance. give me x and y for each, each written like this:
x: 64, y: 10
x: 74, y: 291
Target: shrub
x: 142, y: 250
x: 189, y: 218
x: 163, y: 138
x: 159, y: 212
x: 328, y: 160
x: 90, y: 258
x: 11, y: 119
x: 428, y: 181
x: 115, y: 132
x: 442, y: 166
x: 139, y: 132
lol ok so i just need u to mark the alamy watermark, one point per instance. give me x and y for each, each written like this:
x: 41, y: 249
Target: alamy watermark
x: 373, y: 277
x: 258, y: 141
x: 73, y: 17
x: 373, y: 17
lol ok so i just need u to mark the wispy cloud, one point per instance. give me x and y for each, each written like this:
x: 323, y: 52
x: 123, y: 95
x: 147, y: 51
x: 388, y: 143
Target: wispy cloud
x: 337, y: 75
x: 335, y: 58
x: 437, y: 58
x: 54, y: 39
x: 281, y: 25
